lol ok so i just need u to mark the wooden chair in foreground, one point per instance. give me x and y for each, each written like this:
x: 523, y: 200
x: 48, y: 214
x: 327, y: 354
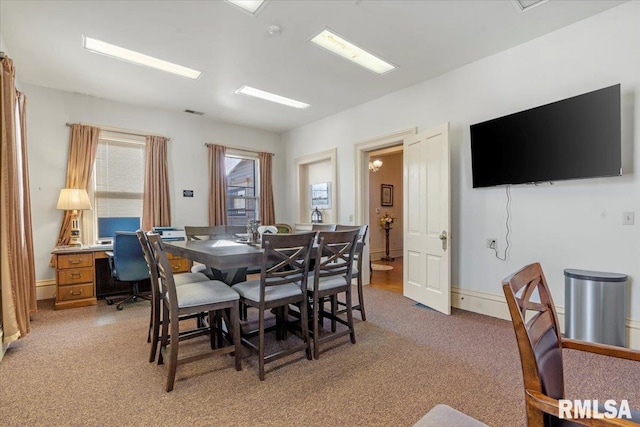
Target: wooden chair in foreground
x: 211, y: 296
x: 283, y: 281
x: 332, y: 277
x: 540, y: 344
x: 357, y: 265
x: 153, y: 336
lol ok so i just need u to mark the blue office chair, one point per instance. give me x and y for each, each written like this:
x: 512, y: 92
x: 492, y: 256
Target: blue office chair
x: 127, y: 264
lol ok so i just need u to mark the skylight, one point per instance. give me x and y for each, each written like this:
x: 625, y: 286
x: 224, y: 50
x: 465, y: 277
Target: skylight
x: 117, y: 52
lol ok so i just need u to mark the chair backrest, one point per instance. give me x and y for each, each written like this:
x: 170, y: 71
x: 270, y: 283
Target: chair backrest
x: 151, y: 262
x: 323, y: 227
x: 283, y: 228
x: 538, y: 335
x: 269, y: 229
x: 128, y: 259
x: 166, y: 284
x: 336, y: 251
x: 285, y: 260
x: 362, y: 240
x: 213, y: 232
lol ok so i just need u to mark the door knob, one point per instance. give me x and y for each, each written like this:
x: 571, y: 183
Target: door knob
x: 443, y: 239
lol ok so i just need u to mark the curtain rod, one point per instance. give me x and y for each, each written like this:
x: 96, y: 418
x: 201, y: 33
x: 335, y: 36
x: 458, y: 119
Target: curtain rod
x: 114, y: 129
x: 246, y: 150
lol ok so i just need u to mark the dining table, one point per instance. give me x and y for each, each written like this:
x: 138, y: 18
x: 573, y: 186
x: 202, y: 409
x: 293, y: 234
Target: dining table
x: 230, y: 259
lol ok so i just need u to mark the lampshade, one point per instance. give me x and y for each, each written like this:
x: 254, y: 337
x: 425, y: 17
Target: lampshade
x: 73, y: 199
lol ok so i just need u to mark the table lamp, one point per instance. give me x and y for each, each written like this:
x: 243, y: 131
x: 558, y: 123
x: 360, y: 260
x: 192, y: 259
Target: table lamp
x: 74, y: 199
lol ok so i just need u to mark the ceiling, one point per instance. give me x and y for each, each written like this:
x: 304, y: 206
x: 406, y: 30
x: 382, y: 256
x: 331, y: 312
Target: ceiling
x: 232, y: 48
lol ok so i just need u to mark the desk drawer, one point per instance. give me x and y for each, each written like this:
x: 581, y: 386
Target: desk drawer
x: 75, y: 260
x: 67, y: 293
x: 76, y: 275
x: 179, y: 265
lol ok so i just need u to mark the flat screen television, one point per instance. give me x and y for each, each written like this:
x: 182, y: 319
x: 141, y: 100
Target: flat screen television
x: 107, y: 226
x: 578, y: 137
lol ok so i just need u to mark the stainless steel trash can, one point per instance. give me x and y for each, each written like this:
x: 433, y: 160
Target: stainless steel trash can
x: 595, y: 306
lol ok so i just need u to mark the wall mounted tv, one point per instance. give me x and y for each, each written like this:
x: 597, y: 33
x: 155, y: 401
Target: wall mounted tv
x: 579, y: 137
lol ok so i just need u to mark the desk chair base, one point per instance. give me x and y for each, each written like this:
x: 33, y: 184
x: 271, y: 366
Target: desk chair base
x: 133, y: 297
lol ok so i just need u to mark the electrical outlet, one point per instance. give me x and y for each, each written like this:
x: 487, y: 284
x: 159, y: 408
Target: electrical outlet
x: 628, y: 218
x: 351, y: 218
x: 492, y: 244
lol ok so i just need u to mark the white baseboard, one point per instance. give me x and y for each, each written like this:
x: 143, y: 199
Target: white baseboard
x: 496, y: 306
x: 45, y: 289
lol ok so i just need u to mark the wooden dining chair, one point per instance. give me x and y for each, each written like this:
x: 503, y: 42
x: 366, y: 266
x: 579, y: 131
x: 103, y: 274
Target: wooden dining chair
x: 323, y: 227
x: 330, y: 278
x: 153, y: 336
x: 283, y: 228
x: 540, y: 343
x: 357, y: 265
x: 212, y: 296
x: 283, y: 281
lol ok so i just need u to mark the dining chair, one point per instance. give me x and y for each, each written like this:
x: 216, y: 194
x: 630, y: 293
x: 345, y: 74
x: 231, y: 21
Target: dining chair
x: 540, y: 344
x: 357, y: 265
x: 283, y: 228
x: 153, y: 336
x: 211, y: 296
x: 331, y: 277
x: 323, y: 227
x: 283, y: 281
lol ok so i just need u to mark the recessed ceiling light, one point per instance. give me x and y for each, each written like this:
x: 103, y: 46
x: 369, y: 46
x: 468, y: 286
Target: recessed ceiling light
x: 257, y: 93
x: 251, y: 6
x: 340, y: 46
x: 526, y: 5
x: 104, y: 48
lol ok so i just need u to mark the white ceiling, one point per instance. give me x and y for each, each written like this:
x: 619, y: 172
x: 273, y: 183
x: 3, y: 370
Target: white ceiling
x: 424, y: 38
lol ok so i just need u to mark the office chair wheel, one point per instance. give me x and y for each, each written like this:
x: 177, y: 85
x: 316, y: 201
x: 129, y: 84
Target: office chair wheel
x: 109, y: 302
x: 119, y: 306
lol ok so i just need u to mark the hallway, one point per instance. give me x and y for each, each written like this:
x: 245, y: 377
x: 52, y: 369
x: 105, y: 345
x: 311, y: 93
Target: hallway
x: 390, y: 280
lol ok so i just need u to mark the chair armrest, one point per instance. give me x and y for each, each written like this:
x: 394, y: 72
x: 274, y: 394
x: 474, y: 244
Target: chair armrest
x: 604, y: 349
x: 551, y: 406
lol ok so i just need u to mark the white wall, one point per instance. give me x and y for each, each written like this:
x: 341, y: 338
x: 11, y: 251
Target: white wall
x: 48, y: 139
x: 572, y: 224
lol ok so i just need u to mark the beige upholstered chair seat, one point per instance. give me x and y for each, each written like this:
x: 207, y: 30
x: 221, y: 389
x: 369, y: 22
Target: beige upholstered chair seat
x: 184, y: 278
x: 200, y: 293
x: 251, y: 291
x: 326, y: 283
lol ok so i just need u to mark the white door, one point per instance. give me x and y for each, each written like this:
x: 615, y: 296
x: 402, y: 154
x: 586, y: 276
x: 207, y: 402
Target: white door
x: 427, y: 259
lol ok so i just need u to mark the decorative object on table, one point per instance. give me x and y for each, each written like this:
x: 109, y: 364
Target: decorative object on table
x: 316, y: 216
x: 320, y: 195
x: 385, y: 222
x: 386, y: 194
x: 253, y: 235
x: 74, y: 200
x: 375, y: 165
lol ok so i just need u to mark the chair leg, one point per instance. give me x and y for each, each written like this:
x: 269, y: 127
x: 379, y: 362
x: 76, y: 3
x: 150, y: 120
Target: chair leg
x: 304, y: 326
x: 173, y: 353
x: 363, y: 316
x: 155, y: 328
x: 237, y: 341
x: 315, y: 321
x: 165, y: 333
x: 261, y: 345
x: 352, y: 332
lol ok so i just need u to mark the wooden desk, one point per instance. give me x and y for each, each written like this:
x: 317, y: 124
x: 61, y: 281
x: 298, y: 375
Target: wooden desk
x: 79, y: 274
x: 228, y: 255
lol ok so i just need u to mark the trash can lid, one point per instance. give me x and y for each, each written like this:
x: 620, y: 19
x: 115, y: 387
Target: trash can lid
x: 597, y: 276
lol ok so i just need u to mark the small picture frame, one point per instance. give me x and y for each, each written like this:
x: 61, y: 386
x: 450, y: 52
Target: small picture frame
x: 320, y: 195
x: 386, y: 194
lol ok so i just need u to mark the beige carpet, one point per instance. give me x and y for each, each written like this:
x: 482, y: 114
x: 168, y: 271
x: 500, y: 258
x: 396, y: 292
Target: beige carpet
x: 88, y: 366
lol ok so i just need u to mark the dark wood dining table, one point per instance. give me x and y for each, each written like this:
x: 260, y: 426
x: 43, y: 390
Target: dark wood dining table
x: 231, y: 257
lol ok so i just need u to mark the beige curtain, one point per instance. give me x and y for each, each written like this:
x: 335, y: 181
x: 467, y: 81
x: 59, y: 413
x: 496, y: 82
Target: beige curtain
x: 83, y: 143
x: 17, y: 270
x: 156, y: 207
x: 267, y: 210
x: 218, y: 185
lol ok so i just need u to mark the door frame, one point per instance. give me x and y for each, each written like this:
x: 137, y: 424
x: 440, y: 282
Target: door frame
x: 302, y: 182
x: 361, y: 178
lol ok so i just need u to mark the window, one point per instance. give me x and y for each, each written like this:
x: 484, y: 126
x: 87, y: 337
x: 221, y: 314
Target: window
x: 242, y: 189
x: 118, y: 176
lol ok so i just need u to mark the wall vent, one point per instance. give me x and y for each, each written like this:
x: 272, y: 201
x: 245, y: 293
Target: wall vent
x: 526, y: 5
x: 197, y: 113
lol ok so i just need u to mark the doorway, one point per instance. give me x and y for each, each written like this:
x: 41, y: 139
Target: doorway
x: 367, y: 151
